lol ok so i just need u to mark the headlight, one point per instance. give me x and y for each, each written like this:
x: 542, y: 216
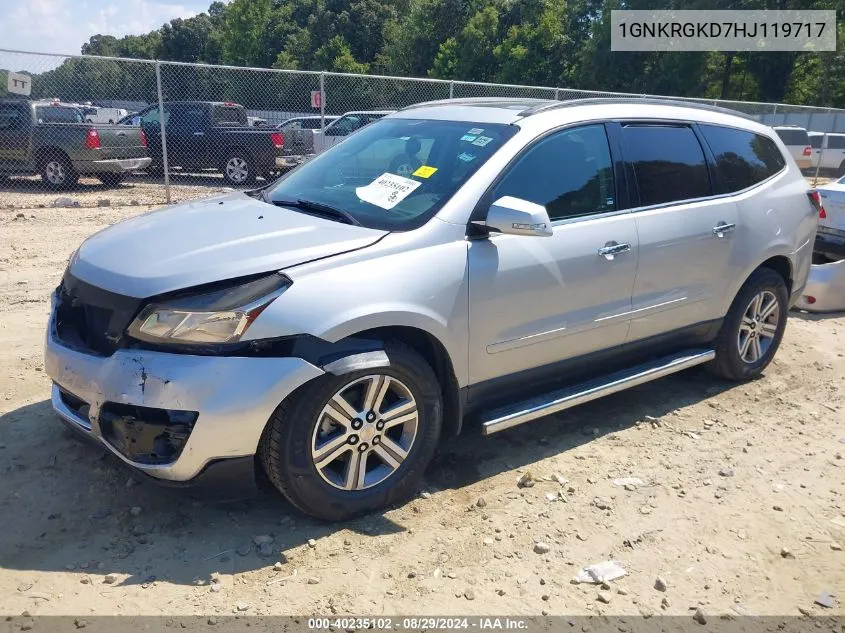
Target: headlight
x: 219, y: 315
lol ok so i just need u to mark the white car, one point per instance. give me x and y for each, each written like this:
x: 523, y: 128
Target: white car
x: 830, y: 238
x: 797, y: 142
x: 828, y: 151
x: 344, y: 126
x: 95, y: 114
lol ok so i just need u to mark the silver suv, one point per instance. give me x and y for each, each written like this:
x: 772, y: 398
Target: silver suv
x: 466, y: 263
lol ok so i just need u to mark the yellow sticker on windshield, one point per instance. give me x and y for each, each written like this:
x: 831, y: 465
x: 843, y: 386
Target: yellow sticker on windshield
x: 425, y: 171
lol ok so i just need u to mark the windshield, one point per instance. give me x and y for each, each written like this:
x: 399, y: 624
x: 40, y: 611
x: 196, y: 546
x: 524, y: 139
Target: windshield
x: 396, y: 173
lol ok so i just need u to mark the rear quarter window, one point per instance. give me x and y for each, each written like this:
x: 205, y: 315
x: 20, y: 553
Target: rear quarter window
x: 793, y: 137
x: 743, y: 158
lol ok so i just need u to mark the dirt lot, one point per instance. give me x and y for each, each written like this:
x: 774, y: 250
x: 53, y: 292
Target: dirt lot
x: 739, y: 509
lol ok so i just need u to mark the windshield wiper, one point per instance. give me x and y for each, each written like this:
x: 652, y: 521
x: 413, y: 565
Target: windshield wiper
x: 319, y: 209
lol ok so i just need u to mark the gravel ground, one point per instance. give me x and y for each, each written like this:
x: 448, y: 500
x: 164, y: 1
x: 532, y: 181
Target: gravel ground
x: 735, y: 505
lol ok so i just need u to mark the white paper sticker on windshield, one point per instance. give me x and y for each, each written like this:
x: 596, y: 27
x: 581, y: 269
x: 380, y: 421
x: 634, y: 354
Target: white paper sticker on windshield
x: 481, y: 141
x: 476, y: 130
x: 387, y: 190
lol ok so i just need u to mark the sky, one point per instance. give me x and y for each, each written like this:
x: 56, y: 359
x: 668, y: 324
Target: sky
x: 62, y: 26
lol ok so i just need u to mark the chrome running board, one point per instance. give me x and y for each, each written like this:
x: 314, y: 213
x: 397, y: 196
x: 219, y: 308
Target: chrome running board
x: 522, y: 412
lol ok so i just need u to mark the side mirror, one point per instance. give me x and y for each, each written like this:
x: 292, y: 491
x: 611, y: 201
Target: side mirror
x: 515, y: 216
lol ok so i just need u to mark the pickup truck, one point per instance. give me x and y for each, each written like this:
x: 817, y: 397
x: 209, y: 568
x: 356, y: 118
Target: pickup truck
x: 53, y: 140
x: 213, y: 135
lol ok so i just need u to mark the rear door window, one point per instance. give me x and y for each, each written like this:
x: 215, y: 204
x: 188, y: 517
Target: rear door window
x: 816, y: 141
x: 743, y: 158
x: 668, y: 163
x: 834, y: 141
x: 12, y: 116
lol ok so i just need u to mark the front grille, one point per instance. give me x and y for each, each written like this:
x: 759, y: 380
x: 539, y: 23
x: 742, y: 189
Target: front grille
x: 90, y: 319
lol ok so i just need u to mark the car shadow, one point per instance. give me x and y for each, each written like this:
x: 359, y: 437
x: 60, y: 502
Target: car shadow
x: 67, y: 505
x: 816, y: 316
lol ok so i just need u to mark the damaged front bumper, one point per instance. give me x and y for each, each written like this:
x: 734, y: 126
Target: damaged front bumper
x: 170, y: 415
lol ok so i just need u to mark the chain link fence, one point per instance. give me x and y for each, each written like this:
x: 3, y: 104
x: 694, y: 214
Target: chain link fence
x: 95, y: 131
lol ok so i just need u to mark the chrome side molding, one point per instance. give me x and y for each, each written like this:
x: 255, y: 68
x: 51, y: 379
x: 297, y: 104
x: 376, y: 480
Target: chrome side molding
x: 514, y: 415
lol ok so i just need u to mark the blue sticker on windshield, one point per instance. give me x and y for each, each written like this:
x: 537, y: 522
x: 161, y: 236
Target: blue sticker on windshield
x: 467, y: 158
x: 468, y: 137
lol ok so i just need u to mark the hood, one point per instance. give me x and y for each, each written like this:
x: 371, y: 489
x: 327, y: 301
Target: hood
x: 209, y: 240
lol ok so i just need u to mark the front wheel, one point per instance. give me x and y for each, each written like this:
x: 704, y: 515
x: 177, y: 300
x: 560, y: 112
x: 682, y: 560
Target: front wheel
x: 347, y: 445
x: 753, y: 328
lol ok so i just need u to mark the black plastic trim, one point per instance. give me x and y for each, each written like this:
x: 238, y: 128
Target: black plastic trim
x: 524, y: 384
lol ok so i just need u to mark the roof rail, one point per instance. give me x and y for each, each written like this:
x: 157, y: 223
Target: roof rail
x: 678, y: 103
x: 479, y: 101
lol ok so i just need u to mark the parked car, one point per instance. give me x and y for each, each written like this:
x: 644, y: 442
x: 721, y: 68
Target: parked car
x: 797, y: 141
x: 828, y: 152
x: 306, y: 123
x: 213, y: 135
x: 97, y: 114
x: 330, y: 327
x: 52, y: 139
x: 133, y: 118
x: 345, y: 125
x: 825, y: 289
x: 299, y: 135
x: 830, y: 239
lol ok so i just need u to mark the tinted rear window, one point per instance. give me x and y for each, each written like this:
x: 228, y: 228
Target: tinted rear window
x: 668, y: 162
x: 816, y: 141
x: 793, y: 137
x: 229, y: 114
x: 58, y: 114
x: 743, y: 158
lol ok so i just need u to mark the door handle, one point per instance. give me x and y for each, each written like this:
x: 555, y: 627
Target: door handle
x: 611, y: 249
x: 723, y: 227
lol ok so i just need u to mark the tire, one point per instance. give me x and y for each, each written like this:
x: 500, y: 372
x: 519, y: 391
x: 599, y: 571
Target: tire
x: 57, y: 172
x: 238, y: 169
x: 730, y: 362
x: 296, y: 427
x: 110, y: 180
x: 841, y: 170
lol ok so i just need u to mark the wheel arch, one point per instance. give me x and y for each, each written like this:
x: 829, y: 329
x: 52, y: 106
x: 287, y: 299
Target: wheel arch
x: 435, y: 354
x: 779, y: 262
x: 43, y: 153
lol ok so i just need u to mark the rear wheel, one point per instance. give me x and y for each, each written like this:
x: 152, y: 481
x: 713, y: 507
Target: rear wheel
x: 841, y: 170
x: 57, y: 172
x: 238, y: 169
x: 346, y: 445
x: 753, y: 328
x: 110, y: 180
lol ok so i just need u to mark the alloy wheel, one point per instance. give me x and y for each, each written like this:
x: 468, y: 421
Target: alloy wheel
x: 365, y: 432
x: 758, y: 327
x: 237, y: 169
x: 55, y: 172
